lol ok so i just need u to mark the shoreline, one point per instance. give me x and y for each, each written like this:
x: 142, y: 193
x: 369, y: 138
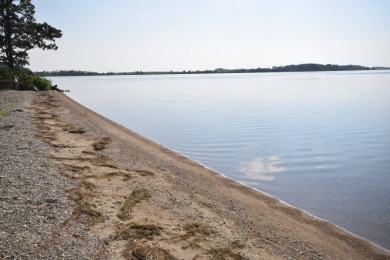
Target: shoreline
x: 264, y: 193
x: 177, y: 153
x: 190, y: 211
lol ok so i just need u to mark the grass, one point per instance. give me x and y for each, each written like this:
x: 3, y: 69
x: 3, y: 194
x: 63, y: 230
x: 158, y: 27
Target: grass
x: 224, y: 253
x: 101, y: 143
x: 84, y: 196
x: 237, y: 244
x: 145, y: 252
x: 136, y: 248
x: 76, y: 168
x: 138, y: 232
x: 136, y: 197
x: 126, y: 176
x: 98, y: 158
x: 195, y: 233
x: 72, y: 129
x: 194, y: 243
x: 145, y: 172
x: 6, y: 127
x: 93, y: 215
x: 77, y: 131
x: 194, y: 229
x: 109, y: 166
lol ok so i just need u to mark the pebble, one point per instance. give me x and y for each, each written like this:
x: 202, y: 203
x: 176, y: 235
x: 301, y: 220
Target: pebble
x: 27, y: 180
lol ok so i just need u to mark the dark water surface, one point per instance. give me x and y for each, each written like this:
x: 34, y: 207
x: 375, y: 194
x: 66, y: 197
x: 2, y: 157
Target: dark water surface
x: 319, y: 141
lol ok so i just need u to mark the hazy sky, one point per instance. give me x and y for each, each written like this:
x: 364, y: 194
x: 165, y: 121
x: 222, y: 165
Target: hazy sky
x: 149, y: 35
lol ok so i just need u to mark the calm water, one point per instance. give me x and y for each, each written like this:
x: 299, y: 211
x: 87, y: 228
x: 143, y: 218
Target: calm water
x: 319, y: 141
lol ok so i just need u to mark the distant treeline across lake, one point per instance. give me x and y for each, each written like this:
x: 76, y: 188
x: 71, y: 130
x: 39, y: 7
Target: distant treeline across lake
x: 288, y: 68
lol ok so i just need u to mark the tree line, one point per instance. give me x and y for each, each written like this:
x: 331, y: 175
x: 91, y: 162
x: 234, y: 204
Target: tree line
x: 289, y: 68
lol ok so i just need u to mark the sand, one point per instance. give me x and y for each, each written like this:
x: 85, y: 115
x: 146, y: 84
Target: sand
x: 149, y: 202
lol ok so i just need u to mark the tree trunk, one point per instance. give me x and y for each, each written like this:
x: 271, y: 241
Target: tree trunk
x: 8, y: 37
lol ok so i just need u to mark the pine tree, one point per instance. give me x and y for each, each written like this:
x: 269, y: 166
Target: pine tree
x: 19, y: 32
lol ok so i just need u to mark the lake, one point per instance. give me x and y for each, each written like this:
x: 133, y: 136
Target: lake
x: 319, y: 141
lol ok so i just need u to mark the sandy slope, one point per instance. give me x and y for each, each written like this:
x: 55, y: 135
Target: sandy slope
x: 147, y: 201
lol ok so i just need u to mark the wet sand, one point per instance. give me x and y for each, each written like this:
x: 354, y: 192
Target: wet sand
x: 147, y: 201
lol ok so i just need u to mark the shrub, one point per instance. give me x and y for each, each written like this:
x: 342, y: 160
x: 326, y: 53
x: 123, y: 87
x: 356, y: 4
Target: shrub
x: 27, y: 80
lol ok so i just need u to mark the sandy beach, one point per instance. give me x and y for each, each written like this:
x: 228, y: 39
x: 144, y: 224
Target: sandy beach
x: 75, y: 185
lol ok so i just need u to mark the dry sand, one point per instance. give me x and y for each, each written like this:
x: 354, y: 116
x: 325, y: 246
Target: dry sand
x: 148, y: 202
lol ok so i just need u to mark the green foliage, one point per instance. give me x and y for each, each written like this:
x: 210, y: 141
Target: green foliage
x: 41, y: 83
x: 27, y: 80
x: 19, y: 32
x: 5, y: 72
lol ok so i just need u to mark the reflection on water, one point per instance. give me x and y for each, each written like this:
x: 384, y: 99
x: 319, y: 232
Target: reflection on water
x: 319, y: 141
x: 260, y: 168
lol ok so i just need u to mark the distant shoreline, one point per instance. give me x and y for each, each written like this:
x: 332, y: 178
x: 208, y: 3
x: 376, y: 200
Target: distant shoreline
x: 307, y: 67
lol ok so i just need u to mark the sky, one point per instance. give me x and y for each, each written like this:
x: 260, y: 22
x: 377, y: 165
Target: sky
x: 164, y: 35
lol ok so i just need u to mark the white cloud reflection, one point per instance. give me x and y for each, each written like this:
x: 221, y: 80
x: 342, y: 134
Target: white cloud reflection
x: 258, y: 168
